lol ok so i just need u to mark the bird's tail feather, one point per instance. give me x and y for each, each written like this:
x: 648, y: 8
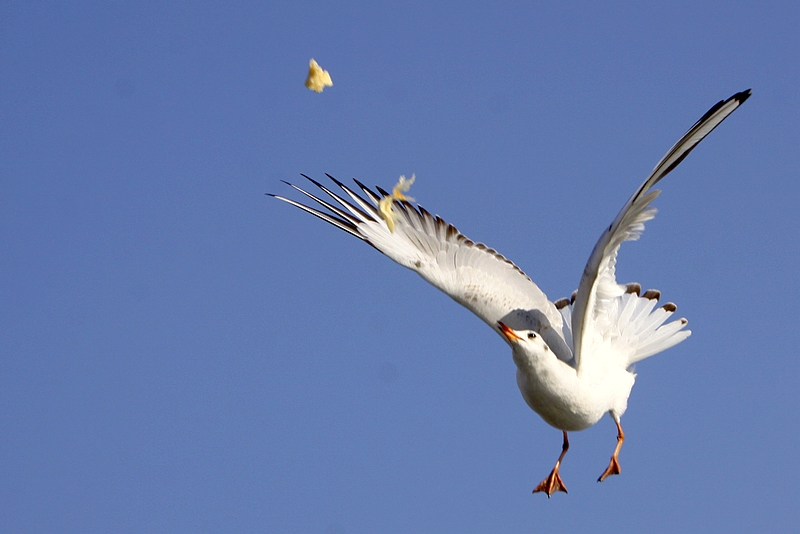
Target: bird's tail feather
x: 641, y: 325
x: 635, y: 323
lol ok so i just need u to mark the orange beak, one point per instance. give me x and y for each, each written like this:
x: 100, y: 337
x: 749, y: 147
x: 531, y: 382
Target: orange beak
x: 510, y: 335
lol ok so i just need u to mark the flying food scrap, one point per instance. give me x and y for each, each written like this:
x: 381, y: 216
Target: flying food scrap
x: 318, y: 79
x: 385, y: 204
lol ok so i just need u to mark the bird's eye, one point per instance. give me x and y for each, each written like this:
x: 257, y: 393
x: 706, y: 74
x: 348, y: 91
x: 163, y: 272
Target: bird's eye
x: 531, y: 335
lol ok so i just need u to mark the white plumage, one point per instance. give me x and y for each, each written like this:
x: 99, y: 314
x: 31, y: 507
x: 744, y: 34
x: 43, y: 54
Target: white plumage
x: 573, y: 356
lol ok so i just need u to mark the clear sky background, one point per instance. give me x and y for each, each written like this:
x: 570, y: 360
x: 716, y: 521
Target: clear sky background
x: 181, y: 353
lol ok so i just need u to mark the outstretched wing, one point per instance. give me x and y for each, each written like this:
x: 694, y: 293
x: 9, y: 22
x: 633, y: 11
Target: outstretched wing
x: 474, y: 275
x: 598, y: 288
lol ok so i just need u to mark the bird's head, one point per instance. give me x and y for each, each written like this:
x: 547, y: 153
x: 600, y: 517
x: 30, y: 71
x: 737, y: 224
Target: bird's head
x: 527, y: 339
x: 527, y: 347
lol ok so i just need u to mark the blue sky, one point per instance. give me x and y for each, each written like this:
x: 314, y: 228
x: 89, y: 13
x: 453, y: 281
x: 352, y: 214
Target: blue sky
x: 181, y: 353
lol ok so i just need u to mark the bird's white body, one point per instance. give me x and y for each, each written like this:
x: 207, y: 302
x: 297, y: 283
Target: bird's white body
x: 563, y: 398
x: 574, y: 357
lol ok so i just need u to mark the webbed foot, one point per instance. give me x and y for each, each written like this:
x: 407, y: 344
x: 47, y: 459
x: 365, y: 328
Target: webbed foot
x: 613, y: 465
x: 552, y: 483
x: 612, y: 469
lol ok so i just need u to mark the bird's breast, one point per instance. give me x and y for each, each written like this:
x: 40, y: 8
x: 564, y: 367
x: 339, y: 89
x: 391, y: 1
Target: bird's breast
x: 567, y: 402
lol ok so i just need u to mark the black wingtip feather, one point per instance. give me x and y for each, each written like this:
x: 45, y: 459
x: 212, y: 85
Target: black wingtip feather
x: 334, y: 180
x: 313, y: 181
x: 360, y: 185
x: 367, y: 191
x: 743, y: 95
x: 739, y: 97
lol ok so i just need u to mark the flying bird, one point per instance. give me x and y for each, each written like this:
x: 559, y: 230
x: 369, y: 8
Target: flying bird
x: 574, y: 356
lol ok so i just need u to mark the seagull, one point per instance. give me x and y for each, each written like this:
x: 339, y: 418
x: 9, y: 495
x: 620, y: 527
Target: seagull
x: 574, y: 356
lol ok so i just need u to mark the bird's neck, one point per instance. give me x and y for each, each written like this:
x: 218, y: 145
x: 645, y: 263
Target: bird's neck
x: 542, y: 366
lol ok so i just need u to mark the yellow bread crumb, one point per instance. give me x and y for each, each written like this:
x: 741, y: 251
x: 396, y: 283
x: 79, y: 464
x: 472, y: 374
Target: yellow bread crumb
x: 318, y: 79
x: 385, y: 204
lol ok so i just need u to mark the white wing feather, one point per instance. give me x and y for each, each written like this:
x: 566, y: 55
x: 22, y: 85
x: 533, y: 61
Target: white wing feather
x: 474, y: 275
x: 495, y: 289
x: 598, y: 290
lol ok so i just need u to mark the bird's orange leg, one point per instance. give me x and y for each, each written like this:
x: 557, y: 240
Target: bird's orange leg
x: 613, y: 465
x: 553, y: 482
